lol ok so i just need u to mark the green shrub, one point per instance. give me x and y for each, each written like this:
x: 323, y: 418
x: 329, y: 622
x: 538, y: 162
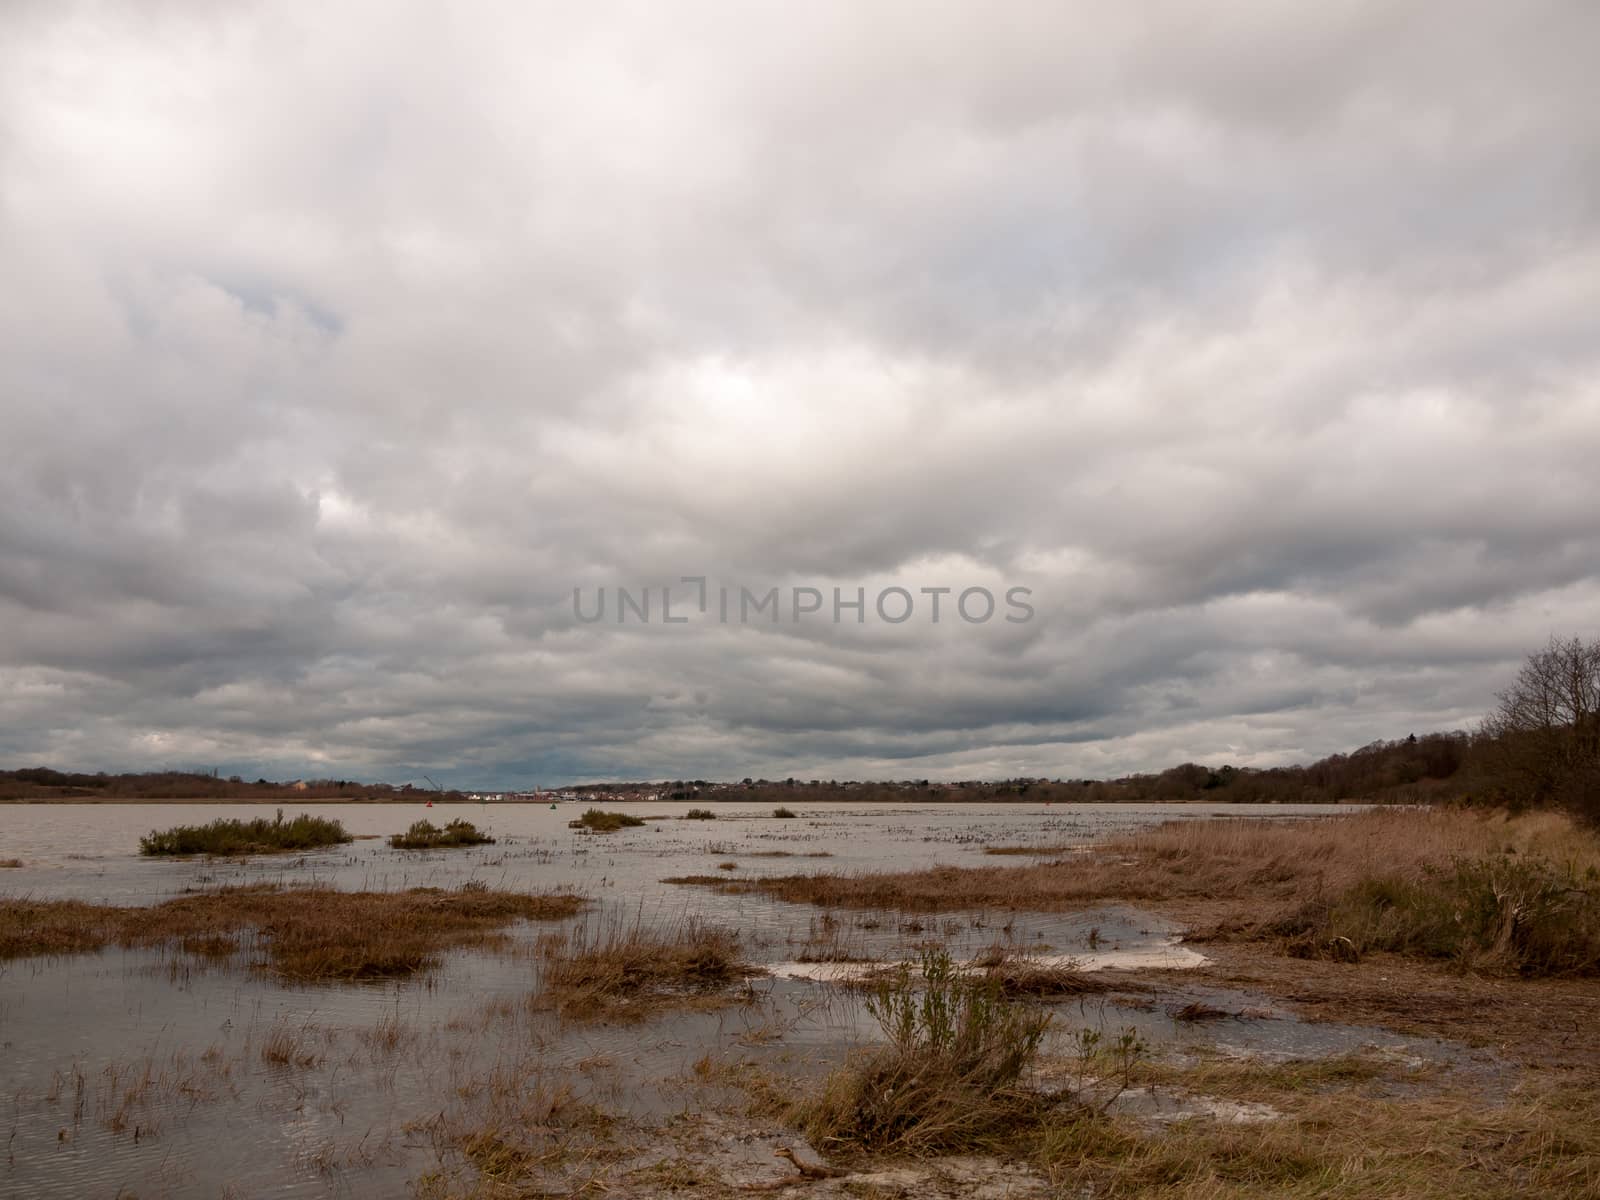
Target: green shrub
x: 229, y: 835
x: 699, y: 814
x: 425, y: 835
x: 1522, y: 915
x: 949, y: 1078
x: 780, y: 811
x: 597, y: 821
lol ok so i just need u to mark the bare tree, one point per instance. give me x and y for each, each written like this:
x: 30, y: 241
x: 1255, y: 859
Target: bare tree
x: 1544, y: 735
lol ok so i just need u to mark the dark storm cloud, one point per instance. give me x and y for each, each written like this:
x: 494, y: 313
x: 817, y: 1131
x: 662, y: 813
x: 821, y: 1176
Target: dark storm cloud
x: 339, y: 345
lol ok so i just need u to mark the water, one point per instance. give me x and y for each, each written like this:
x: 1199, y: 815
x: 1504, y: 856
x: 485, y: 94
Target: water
x: 154, y: 1073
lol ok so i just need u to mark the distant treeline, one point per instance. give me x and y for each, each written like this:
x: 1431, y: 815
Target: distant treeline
x: 1411, y: 769
x: 43, y: 783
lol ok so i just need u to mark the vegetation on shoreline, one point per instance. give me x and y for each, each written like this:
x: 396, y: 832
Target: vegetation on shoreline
x: 1490, y: 891
x: 786, y: 814
x: 699, y: 814
x: 303, y: 933
x: 425, y: 835
x: 229, y: 835
x: 596, y: 821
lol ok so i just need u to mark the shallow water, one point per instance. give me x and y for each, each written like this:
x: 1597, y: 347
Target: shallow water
x: 145, y: 1072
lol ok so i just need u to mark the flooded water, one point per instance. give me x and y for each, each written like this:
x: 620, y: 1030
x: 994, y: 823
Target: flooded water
x: 155, y: 1073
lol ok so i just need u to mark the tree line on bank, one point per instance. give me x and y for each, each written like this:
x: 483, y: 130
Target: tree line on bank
x: 45, y: 783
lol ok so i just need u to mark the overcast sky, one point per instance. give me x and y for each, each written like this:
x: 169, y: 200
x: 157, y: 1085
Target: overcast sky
x: 340, y: 342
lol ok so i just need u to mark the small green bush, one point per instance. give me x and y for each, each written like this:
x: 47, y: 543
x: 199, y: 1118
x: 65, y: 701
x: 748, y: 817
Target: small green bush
x: 783, y: 812
x: 229, y: 835
x: 951, y: 1075
x: 597, y: 821
x: 425, y: 835
x: 699, y: 814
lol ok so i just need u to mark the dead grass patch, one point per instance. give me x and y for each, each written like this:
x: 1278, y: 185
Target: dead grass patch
x: 1036, y: 851
x: 1016, y: 974
x: 617, y: 970
x: 311, y: 933
x: 1335, y: 1143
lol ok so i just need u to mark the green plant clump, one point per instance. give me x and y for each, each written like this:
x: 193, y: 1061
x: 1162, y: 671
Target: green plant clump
x: 229, y: 835
x: 1500, y: 913
x: 425, y: 835
x: 950, y: 1079
x: 597, y: 821
x: 780, y: 811
x: 699, y: 814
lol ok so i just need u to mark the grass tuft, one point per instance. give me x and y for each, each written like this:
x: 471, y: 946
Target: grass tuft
x: 950, y: 1078
x: 617, y: 970
x: 598, y: 821
x: 425, y: 835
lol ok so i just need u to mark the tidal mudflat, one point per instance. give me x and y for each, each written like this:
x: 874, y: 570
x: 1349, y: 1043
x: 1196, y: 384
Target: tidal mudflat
x: 956, y: 1000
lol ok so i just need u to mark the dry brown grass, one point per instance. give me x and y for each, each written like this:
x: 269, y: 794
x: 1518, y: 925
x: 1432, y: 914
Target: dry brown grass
x: 1252, y: 860
x: 1015, y: 974
x: 302, y: 932
x: 1036, y: 851
x: 1481, y: 889
x: 1337, y: 1139
x: 618, y: 970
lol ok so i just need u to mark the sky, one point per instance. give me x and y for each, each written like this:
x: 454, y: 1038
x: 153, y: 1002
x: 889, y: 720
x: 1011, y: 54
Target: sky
x: 347, y: 351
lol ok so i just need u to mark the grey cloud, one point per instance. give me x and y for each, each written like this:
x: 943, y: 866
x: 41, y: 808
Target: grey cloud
x: 340, y: 343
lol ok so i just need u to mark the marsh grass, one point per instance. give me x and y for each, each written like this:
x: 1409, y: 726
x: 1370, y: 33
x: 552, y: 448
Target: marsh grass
x: 1502, y: 913
x: 1336, y: 1142
x: 425, y: 835
x: 787, y: 814
x: 699, y: 814
x: 1489, y: 891
x: 627, y: 970
x: 304, y: 933
x: 950, y: 1078
x: 229, y: 835
x: 597, y: 821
